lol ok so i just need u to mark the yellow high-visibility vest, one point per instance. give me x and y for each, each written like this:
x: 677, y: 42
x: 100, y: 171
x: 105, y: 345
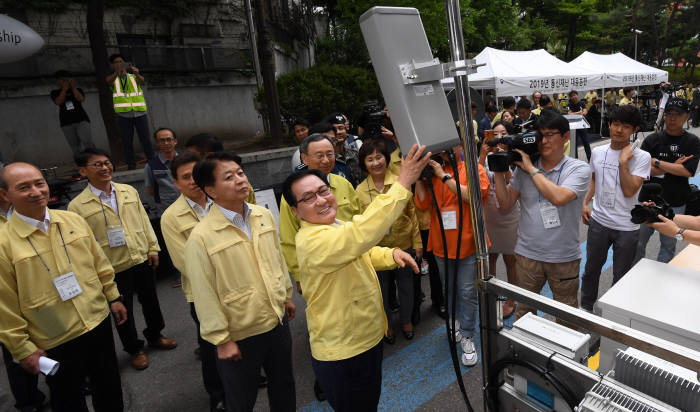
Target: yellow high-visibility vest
x: 128, y: 98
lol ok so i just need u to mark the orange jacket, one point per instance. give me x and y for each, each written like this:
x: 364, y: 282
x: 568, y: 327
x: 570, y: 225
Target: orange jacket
x: 447, y: 202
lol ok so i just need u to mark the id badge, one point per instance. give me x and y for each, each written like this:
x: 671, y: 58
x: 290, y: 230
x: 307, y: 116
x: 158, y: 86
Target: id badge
x: 115, y: 236
x: 67, y: 286
x: 69, y: 105
x: 550, y: 215
x: 449, y: 220
x: 608, y: 197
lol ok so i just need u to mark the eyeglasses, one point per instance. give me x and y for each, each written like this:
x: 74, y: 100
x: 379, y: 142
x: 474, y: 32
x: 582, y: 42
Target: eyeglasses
x: 99, y: 165
x: 550, y: 134
x: 310, y: 197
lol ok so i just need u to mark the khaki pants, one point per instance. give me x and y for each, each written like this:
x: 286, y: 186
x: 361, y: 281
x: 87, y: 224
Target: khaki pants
x: 562, y: 279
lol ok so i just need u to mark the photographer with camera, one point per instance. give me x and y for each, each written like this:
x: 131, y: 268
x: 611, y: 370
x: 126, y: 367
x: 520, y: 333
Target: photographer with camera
x: 445, y: 188
x: 663, y: 93
x: 130, y: 107
x: 551, y: 196
x: 501, y: 225
x: 618, y: 172
x: 674, y: 156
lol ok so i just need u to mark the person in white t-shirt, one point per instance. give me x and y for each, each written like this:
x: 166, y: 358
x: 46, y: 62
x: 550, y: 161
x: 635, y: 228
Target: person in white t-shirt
x: 618, y: 172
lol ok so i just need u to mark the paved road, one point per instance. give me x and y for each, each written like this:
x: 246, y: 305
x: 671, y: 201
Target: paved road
x: 417, y: 375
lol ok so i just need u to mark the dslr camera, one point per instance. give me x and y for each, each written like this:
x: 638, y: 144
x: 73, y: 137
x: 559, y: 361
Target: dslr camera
x: 525, y: 139
x: 373, y: 116
x: 651, y: 192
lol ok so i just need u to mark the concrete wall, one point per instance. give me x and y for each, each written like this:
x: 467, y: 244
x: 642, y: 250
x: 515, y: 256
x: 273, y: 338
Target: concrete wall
x: 264, y: 169
x: 31, y: 131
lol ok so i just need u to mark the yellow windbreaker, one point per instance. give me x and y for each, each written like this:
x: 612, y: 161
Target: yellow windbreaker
x: 344, y: 310
x: 404, y: 233
x: 33, y: 315
x: 140, y: 239
x: 239, y: 285
x: 348, y: 206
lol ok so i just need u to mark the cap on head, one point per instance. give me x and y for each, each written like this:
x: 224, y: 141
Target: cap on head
x: 678, y: 104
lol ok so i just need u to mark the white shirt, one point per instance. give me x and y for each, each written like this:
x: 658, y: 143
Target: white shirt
x: 610, y: 206
x: 43, y: 226
x: 110, y: 200
x: 7, y: 213
x: 237, y: 219
x: 201, y: 211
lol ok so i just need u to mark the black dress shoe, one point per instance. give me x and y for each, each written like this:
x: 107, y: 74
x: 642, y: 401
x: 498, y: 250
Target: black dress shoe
x: 220, y: 407
x: 319, y: 392
x: 390, y: 339
x: 408, y: 334
x: 263, y: 381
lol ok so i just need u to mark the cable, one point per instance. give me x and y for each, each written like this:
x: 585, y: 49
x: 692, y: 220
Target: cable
x: 450, y: 326
x: 562, y: 389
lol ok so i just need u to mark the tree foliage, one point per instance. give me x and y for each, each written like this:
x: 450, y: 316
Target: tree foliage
x: 322, y: 89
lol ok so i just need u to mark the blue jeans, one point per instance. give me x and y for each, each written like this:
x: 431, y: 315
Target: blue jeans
x: 467, y: 303
x: 668, y: 243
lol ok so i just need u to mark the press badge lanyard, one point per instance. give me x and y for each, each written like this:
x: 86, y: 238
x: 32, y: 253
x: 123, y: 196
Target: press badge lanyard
x: 66, y: 284
x: 608, y: 195
x: 115, y: 234
x: 549, y: 212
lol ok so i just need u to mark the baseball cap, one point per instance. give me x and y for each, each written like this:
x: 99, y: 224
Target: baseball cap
x: 678, y: 104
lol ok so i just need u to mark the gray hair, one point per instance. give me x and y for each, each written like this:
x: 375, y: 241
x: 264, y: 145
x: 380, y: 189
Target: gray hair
x: 316, y: 137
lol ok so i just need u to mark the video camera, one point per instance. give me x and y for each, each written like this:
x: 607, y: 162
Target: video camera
x: 670, y: 88
x: 526, y: 140
x: 373, y: 117
x: 651, y: 192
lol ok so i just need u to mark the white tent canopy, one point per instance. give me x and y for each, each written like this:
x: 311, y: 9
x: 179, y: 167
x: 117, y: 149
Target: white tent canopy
x: 512, y: 73
x: 620, y: 70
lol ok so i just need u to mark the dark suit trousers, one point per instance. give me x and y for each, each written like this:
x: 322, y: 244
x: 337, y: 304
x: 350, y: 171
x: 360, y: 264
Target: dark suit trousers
x: 22, y: 383
x: 210, y: 375
x: 90, y: 354
x: 273, y: 351
x: 139, y: 279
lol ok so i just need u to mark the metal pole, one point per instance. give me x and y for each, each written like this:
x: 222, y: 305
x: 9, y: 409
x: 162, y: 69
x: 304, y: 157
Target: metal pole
x: 466, y: 131
x: 256, y: 58
x: 253, y: 43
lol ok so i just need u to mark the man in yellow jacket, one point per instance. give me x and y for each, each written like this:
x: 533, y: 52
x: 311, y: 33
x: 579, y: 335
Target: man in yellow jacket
x: 177, y: 223
x: 122, y: 228
x: 56, y: 292
x: 241, y: 288
x: 23, y: 384
x: 337, y: 262
x: 317, y: 153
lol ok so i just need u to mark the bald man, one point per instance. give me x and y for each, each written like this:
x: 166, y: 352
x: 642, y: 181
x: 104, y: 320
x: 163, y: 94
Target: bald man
x: 56, y: 293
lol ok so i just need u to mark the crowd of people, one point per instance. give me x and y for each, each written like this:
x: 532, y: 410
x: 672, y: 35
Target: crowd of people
x: 359, y: 221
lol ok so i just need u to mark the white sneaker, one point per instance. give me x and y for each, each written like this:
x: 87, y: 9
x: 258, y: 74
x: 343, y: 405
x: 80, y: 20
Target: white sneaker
x: 469, y: 357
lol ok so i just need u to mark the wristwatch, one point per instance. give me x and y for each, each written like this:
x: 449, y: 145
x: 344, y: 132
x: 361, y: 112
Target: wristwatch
x: 657, y: 163
x: 679, y: 235
x: 446, y: 177
x: 534, y: 172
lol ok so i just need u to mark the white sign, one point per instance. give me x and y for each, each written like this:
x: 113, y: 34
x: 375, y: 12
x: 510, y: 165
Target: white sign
x: 266, y: 199
x: 17, y: 40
